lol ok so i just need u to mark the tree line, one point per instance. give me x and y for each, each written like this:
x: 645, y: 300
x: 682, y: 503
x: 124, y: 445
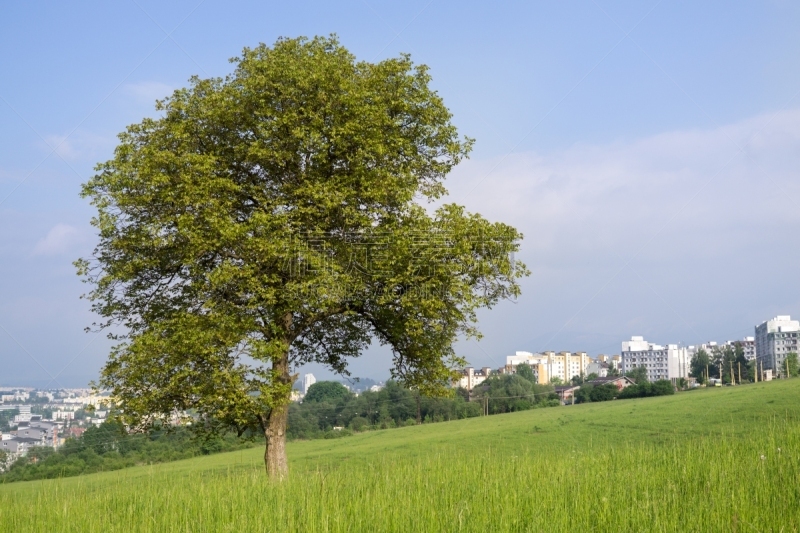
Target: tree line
x: 729, y: 364
x: 109, y: 447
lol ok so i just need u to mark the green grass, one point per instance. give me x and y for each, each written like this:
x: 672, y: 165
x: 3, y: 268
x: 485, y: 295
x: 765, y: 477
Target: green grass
x: 689, y: 462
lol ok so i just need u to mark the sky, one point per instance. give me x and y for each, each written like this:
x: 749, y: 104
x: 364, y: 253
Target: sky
x: 649, y: 151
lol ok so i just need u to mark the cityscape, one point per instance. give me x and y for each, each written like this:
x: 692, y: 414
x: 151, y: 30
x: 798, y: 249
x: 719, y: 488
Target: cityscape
x: 32, y: 418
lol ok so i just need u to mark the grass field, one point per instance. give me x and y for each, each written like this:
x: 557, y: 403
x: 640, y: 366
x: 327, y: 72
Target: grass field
x: 711, y: 460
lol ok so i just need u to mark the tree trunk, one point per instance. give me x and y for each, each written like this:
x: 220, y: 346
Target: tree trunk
x: 274, y: 425
x: 419, y: 410
x: 275, y: 458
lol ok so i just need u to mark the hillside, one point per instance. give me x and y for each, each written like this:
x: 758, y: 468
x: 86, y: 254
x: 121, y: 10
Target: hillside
x: 689, y: 462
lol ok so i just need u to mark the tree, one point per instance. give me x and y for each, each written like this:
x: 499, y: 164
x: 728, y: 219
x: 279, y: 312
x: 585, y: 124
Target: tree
x: 697, y: 367
x: 326, y: 391
x: 584, y: 394
x: 555, y: 380
x: 604, y: 393
x: 510, y: 392
x: 740, y: 363
x: 526, y: 372
x: 272, y: 218
x: 637, y: 374
x: 791, y: 363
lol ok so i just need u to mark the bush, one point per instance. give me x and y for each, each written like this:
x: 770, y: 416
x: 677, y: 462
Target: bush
x: 359, y: 423
x: 604, y: 393
x: 662, y: 387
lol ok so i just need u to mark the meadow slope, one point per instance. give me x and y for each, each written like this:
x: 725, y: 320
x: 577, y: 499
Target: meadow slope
x: 725, y: 459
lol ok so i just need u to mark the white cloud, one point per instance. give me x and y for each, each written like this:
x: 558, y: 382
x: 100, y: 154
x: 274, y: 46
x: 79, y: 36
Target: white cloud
x: 59, y: 240
x: 678, y: 189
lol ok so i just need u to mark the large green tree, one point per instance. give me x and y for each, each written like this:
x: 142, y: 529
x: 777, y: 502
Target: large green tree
x: 274, y: 218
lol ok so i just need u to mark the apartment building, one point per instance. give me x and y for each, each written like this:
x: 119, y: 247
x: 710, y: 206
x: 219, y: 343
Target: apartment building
x: 470, y: 377
x: 775, y: 339
x: 661, y: 362
x: 613, y: 361
x: 748, y: 345
x: 549, y: 365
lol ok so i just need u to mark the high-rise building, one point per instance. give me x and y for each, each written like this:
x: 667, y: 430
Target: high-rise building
x: 308, y: 380
x: 661, y: 362
x: 775, y: 339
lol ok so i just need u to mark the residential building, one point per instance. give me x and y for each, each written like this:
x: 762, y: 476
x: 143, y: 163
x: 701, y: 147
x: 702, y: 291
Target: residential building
x: 775, y: 339
x: 15, y: 447
x: 549, y: 365
x: 748, y: 345
x: 40, y: 435
x: 661, y: 362
x: 308, y: 380
x: 470, y: 378
x: 613, y: 361
x: 566, y: 393
x: 597, y: 367
x: 75, y: 432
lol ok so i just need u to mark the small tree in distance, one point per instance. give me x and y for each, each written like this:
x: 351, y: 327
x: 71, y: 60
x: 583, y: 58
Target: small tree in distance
x: 792, y: 364
x: 637, y: 374
x: 271, y: 219
x: 698, y: 365
x: 326, y: 391
x: 525, y: 371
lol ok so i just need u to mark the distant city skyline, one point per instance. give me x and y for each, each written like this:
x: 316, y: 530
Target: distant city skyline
x: 647, y: 150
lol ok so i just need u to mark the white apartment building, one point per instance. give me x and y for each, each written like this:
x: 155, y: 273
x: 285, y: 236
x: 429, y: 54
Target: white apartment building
x: 308, y: 380
x: 775, y: 339
x: 470, y: 378
x: 748, y: 345
x: 661, y: 362
x: 549, y: 365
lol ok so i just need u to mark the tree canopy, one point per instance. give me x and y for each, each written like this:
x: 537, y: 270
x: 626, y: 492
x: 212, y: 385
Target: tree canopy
x: 326, y: 391
x: 637, y: 374
x: 274, y: 218
x: 698, y: 365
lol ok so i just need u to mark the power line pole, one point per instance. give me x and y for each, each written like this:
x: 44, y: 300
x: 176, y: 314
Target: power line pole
x: 740, y: 372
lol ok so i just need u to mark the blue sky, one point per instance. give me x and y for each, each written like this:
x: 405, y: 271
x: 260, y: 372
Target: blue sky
x: 648, y: 150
